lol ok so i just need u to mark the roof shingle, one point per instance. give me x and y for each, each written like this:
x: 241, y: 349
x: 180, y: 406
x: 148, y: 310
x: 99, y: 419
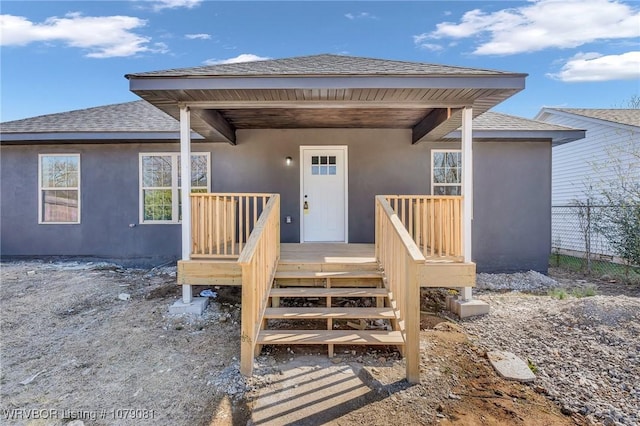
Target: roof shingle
x: 630, y: 117
x: 137, y: 116
x: 325, y: 64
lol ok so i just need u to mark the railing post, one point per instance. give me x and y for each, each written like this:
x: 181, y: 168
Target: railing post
x: 412, y: 322
x: 247, y: 324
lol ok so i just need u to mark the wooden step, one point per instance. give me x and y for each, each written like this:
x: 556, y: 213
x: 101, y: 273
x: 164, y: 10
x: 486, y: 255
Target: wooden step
x: 324, y: 313
x: 328, y: 292
x: 284, y: 265
x: 328, y: 337
x: 292, y: 275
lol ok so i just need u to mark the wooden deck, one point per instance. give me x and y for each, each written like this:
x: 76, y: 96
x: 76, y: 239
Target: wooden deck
x: 319, y: 260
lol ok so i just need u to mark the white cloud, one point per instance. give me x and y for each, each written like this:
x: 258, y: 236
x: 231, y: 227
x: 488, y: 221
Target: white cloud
x: 542, y: 24
x: 198, y: 36
x: 245, y: 57
x: 361, y: 15
x: 432, y: 47
x: 174, y: 4
x: 101, y: 36
x: 596, y: 67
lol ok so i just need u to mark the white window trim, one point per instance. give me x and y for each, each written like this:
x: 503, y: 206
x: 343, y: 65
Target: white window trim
x: 434, y: 151
x: 174, y: 187
x: 41, y: 188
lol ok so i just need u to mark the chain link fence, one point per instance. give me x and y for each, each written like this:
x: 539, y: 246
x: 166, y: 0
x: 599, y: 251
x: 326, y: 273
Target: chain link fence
x: 579, y: 243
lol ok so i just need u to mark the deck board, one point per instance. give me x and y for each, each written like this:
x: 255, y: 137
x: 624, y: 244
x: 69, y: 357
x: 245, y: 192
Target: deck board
x: 323, y: 337
x: 323, y: 313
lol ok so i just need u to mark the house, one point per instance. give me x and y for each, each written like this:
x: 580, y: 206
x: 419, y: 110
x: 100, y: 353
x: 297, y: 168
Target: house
x: 582, y: 167
x: 288, y: 151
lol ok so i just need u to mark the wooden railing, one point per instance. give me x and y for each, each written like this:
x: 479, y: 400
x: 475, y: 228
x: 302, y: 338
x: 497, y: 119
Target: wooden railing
x: 222, y: 223
x: 259, y: 260
x: 434, y: 222
x: 400, y: 258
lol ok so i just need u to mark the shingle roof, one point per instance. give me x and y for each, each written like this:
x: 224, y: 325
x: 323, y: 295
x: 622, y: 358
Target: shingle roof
x: 324, y: 64
x: 497, y: 121
x: 629, y: 117
x: 137, y: 117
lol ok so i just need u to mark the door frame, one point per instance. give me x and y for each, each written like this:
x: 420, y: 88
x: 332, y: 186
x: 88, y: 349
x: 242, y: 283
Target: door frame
x: 345, y: 150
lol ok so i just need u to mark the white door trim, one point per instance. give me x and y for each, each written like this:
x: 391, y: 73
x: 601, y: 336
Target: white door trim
x: 345, y: 150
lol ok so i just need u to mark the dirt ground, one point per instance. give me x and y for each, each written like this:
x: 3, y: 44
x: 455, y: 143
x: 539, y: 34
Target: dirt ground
x: 71, y: 349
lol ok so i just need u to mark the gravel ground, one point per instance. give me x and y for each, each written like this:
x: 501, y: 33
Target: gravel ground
x: 586, y: 350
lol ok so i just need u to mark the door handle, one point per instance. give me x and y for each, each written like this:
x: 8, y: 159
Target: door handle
x: 306, y: 205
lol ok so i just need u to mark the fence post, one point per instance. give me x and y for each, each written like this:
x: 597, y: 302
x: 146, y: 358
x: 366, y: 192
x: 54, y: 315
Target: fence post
x: 588, y: 237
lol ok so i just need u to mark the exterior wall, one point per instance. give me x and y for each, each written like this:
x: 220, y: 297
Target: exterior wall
x: 109, y: 203
x: 512, y: 206
x: 579, y: 169
x: 511, y: 226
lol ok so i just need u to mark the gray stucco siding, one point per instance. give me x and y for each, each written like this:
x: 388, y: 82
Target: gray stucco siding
x: 512, y: 182
x: 512, y: 206
x: 109, y: 204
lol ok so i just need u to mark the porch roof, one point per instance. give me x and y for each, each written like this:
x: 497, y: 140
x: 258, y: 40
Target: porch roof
x: 325, y: 91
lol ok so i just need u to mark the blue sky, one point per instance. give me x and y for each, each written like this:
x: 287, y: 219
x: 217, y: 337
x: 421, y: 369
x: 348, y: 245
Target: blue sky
x: 58, y: 56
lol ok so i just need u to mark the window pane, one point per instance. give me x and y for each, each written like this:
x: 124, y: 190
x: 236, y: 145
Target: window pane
x: 157, y: 204
x: 438, y: 159
x: 332, y: 170
x: 156, y: 171
x: 439, y: 175
x: 59, y: 171
x: 332, y: 159
x: 199, y: 172
x: 60, y: 206
x: 453, y: 175
x: 446, y: 190
x: 314, y: 170
x: 323, y: 159
x: 314, y: 159
x: 454, y: 159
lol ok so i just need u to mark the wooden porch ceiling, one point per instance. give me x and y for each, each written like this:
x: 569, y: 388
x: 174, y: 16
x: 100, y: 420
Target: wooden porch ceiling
x: 431, y: 113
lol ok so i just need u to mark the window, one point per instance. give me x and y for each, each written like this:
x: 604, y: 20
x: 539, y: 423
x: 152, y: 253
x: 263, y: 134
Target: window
x: 446, y: 172
x: 160, y: 194
x: 323, y: 165
x: 59, y: 188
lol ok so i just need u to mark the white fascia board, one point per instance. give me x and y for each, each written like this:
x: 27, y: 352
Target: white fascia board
x: 509, y: 82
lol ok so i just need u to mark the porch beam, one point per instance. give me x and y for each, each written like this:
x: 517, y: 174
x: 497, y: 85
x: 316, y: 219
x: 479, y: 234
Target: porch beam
x: 439, y: 128
x: 185, y: 183
x: 432, y: 120
x: 467, y: 190
x: 216, y: 122
x: 311, y: 104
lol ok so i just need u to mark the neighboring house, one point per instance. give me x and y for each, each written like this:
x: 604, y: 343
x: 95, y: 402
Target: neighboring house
x: 104, y: 182
x: 583, y: 167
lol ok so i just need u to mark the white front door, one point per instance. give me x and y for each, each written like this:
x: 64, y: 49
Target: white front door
x: 323, y: 194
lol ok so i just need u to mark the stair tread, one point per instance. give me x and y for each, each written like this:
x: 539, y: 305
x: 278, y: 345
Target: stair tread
x: 348, y: 337
x: 324, y: 292
x: 329, y: 274
x: 322, y: 312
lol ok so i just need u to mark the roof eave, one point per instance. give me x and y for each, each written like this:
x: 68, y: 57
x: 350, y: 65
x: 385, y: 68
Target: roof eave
x: 508, y: 81
x: 92, y: 136
x: 557, y: 137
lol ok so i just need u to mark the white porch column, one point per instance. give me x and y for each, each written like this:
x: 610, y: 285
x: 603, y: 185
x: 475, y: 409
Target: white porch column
x: 185, y: 184
x: 467, y: 189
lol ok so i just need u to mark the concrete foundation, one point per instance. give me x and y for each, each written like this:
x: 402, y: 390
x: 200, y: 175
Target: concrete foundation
x: 467, y: 308
x: 197, y: 306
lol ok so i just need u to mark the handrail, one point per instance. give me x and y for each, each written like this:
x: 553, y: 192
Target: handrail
x: 433, y: 221
x: 259, y: 260
x: 222, y: 222
x: 399, y: 256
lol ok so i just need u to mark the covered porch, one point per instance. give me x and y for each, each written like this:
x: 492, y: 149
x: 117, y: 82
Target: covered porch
x: 234, y: 236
